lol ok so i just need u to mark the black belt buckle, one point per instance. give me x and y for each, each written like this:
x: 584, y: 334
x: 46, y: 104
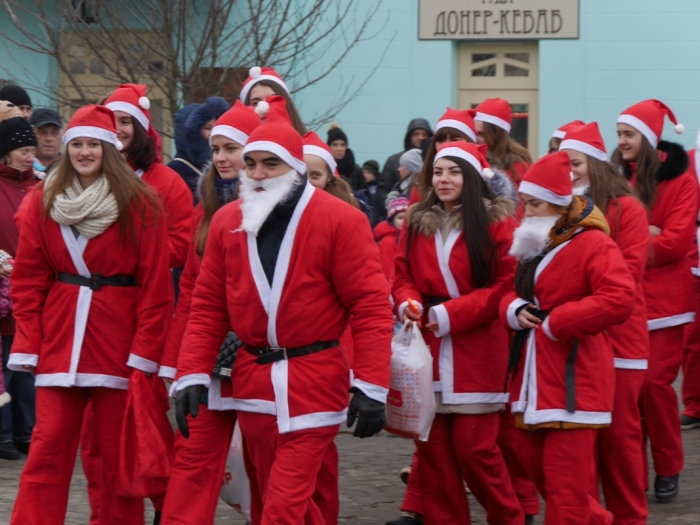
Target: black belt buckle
x: 276, y: 349
x: 95, y: 281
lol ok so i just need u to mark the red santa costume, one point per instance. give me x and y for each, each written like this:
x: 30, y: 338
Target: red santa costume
x: 177, y: 203
x: 691, y: 354
x: 387, y: 236
x: 620, y: 455
x: 200, y: 459
x: 92, y: 307
x: 469, y: 349
x: 289, y: 303
x: 496, y: 111
x: 667, y: 282
x: 563, y: 388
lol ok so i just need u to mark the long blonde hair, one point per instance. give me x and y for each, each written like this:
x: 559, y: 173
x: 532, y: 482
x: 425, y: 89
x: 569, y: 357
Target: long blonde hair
x: 128, y: 189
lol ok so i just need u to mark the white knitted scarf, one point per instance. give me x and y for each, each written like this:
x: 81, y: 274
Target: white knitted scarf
x: 91, y: 210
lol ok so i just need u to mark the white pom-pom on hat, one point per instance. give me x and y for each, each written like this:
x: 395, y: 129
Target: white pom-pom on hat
x: 119, y: 145
x: 487, y: 174
x: 262, y: 109
x: 679, y: 128
x: 255, y: 71
x: 144, y: 103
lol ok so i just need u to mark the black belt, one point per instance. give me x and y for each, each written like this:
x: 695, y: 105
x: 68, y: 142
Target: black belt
x: 434, y: 300
x: 516, y: 345
x: 271, y: 354
x: 97, y: 281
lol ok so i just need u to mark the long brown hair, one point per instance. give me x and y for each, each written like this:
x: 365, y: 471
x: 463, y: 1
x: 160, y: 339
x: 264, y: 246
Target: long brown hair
x: 424, y: 182
x: 646, y: 166
x: 475, y: 223
x: 128, y: 189
x: 341, y: 189
x: 297, y: 123
x: 210, y: 205
x: 141, y: 153
x: 607, y: 182
x: 504, y: 152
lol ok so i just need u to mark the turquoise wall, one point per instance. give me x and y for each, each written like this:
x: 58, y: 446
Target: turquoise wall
x: 628, y: 51
x: 415, y: 79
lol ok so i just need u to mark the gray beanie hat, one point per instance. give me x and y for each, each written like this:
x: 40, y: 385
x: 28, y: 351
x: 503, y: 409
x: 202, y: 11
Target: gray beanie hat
x: 412, y: 160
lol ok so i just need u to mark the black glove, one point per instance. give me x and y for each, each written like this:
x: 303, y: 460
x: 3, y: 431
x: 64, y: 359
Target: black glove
x: 369, y: 413
x: 187, y: 402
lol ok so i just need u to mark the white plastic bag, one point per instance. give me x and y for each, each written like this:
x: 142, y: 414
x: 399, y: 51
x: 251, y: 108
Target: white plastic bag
x: 235, y: 489
x: 410, y: 407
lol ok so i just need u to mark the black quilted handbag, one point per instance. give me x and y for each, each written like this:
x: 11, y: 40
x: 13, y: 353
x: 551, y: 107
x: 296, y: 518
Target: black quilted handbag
x: 227, y: 356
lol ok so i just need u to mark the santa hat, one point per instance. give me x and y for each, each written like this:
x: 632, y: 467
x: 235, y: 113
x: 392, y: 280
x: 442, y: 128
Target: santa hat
x: 460, y: 120
x: 586, y: 139
x: 236, y: 124
x: 563, y: 130
x: 474, y: 154
x: 276, y: 134
x: 549, y: 179
x: 131, y: 99
x: 313, y: 145
x: 648, y: 118
x: 95, y: 122
x: 495, y: 111
x: 256, y: 74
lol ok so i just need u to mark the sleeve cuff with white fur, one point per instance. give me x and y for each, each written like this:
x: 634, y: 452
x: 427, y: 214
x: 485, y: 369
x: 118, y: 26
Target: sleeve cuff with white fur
x: 512, y: 315
x: 404, y: 305
x: 17, y: 361
x: 146, y: 365
x: 547, y: 331
x: 191, y: 380
x: 376, y: 392
x: 438, y: 314
x: 167, y: 372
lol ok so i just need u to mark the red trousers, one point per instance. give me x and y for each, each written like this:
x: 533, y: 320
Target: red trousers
x: 524, y: 487
x: 283, y: 469
x: 412, y: 501
x: 463, y: 447
x: 620, y: 453
x: 659, y: 402
x: 45, y: 481
x: 691, y: 360
x: 559, y: 462
x: 200, y: 461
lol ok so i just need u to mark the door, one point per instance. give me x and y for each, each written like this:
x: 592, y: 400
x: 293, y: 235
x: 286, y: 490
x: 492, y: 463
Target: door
x: 504, y: 70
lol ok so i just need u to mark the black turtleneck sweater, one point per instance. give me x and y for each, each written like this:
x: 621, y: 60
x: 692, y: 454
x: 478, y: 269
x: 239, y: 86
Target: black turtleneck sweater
x: 273, y: 229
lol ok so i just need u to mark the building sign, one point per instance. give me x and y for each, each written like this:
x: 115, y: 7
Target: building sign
x: 497, y: 19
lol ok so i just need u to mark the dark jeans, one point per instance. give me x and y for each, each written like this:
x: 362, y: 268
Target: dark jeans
x: 17, y: 418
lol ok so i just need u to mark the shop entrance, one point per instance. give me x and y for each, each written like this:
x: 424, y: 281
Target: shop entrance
x: 506, y: 70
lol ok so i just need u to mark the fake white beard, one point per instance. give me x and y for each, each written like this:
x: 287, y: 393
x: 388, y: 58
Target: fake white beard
x: 582, y: 190
x: 256, y: 206
x: 531, y: 238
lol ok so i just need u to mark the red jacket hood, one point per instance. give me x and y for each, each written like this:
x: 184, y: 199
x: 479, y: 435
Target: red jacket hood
x: 6, y: 172
x: 384, y: 229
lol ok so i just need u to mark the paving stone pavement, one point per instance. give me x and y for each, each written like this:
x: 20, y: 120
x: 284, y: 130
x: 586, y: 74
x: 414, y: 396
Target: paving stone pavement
x: 370, y: 488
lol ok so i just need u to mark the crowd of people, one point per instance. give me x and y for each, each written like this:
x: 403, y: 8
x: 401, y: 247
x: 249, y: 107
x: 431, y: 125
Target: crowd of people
x: 263, y: 272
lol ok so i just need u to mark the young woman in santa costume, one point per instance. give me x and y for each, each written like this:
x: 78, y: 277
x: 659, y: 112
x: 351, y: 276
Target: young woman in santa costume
x: 459, y: 126
x: 141, y: 149
x: 658, y: 173
x: 571, y: 285
x: 200, y: 455
x: 92, y: 296
x: 453, y: 260
x: 493, y: 123
x: 620, y: 453
x: 690, y: 418
x: 263, y: 82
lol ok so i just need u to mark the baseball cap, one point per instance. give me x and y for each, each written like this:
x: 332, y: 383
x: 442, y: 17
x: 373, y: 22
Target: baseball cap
x: 43, y: 116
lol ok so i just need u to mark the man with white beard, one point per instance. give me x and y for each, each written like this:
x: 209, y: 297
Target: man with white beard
x: 287, y: 267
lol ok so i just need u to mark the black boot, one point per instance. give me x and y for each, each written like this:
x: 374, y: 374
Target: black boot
x: 156, y: 518
x: 666, y: 488
x: 8, y: 450
x: 529, y: 520
x: 405, y: 519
